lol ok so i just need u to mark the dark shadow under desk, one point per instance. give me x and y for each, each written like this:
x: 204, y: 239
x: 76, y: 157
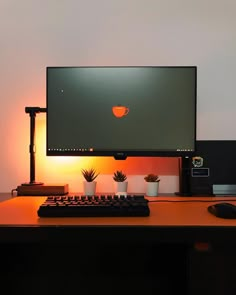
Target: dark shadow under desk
x: 94, y: 269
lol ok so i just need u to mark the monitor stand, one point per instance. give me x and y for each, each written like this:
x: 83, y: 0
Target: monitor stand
x: 184, y: 177
x: 120, y: 156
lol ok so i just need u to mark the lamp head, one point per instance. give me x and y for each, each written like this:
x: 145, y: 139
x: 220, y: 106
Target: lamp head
x: 30, y: 110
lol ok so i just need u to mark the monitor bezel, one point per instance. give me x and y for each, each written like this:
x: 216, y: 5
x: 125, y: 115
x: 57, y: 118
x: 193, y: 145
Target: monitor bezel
x: 123, y: 154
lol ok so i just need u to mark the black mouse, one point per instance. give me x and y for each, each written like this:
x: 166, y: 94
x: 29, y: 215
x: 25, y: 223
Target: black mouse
x: 223, y: 210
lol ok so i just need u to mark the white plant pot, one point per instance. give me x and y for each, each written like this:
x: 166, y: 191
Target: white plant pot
x: 90, y: 188
x: 121, y: 187
x: 152, y: 189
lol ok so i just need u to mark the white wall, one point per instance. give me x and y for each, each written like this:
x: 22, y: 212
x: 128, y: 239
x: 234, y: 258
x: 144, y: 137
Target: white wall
x: 39, y: 33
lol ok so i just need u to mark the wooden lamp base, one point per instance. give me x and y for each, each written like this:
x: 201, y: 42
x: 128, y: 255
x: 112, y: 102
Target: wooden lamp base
x: 42, y: 189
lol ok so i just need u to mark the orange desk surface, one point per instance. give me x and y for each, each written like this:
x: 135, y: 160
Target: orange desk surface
x: 167, y: 211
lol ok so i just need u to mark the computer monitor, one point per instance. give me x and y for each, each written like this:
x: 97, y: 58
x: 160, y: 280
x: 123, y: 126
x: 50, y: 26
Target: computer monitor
x: 121, y: 111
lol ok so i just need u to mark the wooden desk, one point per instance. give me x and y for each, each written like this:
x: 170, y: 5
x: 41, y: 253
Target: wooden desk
x: 165, y: 246
x: 164, y: 211
x: 171, y: 219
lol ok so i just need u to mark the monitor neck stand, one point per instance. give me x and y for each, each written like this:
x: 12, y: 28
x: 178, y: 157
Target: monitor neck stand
x: 120, y: 156
x: 184, y: 177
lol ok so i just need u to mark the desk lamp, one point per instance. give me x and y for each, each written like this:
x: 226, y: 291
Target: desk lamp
x: 33, y: 188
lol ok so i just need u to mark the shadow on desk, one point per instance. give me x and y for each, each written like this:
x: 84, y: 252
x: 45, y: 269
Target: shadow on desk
x: 91, y: 269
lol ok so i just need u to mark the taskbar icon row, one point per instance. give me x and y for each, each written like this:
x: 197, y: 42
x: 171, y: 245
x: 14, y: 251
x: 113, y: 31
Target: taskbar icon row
x: 70, y: 150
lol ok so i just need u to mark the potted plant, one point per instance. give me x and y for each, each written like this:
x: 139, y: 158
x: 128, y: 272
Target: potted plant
x: 121, y: 185
x: 89, y: 184
x: 152, y: 187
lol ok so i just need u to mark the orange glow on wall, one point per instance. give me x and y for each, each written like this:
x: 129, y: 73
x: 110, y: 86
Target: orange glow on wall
x: 106, y: 165
x: 67, y: 170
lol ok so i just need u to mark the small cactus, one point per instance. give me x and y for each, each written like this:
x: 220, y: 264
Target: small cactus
x: 119, y: 176
x: 152, y: 178
x: 89, y: 174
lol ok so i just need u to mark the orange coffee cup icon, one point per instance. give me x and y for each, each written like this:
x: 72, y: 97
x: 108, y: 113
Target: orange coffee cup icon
x: 120, y: 111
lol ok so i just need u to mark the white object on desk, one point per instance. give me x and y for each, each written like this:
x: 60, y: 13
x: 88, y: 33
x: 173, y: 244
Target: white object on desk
x: 121, y: 194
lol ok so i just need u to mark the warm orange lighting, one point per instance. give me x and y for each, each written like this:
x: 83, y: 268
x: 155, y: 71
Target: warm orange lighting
x: 67, y: 170
x: 50, y: 167
x: 120, y: 111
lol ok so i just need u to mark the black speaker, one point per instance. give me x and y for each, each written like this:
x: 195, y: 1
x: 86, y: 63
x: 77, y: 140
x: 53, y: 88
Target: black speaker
x: 211, y: 171
x: 214, y: 165
x: 200, y: 181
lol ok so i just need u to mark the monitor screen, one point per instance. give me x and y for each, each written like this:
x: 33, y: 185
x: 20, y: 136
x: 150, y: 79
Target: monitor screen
x: 121, y: 111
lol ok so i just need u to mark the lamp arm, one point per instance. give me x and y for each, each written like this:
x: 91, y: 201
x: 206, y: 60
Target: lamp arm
x: 32, y: 111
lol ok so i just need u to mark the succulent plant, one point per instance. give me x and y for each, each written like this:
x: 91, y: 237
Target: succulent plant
x: 119, y: 176
x: 89, y: 174
x: 152, y: 178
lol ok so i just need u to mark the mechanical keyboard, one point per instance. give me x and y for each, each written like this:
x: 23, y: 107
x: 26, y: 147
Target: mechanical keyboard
x: 94, y: 206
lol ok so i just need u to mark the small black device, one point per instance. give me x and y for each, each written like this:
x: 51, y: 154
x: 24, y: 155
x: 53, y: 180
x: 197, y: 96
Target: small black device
x: 223, y: 210
x: 94, y: 206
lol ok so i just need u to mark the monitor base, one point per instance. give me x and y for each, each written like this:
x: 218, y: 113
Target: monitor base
x: 31, y: 183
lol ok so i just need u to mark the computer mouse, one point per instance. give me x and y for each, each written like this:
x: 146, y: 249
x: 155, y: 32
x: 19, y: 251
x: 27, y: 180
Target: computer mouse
x: 223, y: 210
